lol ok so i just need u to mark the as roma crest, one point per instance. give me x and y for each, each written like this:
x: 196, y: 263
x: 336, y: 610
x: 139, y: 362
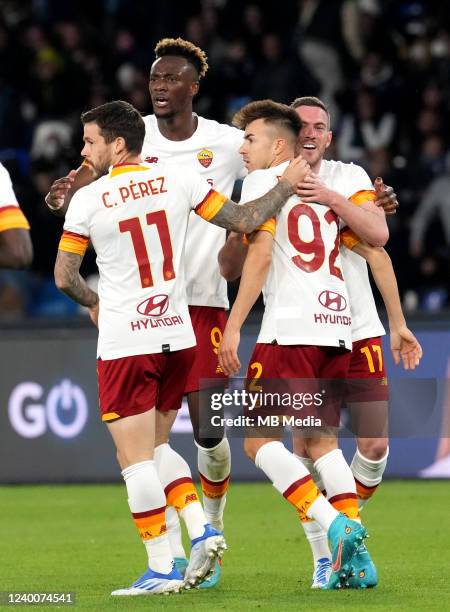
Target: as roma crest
x: 205, y: 157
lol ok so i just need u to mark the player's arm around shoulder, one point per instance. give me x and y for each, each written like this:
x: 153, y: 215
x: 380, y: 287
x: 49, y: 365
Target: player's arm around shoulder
x: 247, y: 217
x: 359, y: 211
x: 232, y: 255
x: 254, y: 274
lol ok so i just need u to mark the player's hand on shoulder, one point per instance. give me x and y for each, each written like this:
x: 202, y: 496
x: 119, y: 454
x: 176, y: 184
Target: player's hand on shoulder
x: 405, y: 347
x: 386, y: 197
x: 55, y: 198
x: 297, y: 170
x: 313, y: 190
x: 228, y: 351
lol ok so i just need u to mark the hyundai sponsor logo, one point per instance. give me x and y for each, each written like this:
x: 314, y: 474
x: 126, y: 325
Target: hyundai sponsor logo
x: 333, y: 301
x: 154, y: 306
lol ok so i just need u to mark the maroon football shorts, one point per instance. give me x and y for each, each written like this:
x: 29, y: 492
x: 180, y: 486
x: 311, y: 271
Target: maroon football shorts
x: 306, y: 373
x: 367, y: 372
x: 131, y: 385
x: 208, y: 323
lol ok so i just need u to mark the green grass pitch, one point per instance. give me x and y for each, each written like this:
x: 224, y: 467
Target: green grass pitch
x: 81, y: 539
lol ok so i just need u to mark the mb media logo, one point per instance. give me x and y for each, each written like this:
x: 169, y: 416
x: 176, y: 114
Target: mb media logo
x: 64, y: 411
x: 333, y: 301
x: 154, y: 306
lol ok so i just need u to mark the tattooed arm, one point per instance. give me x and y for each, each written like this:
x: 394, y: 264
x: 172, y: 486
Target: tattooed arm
x: 69, y: 281
x: 246, y: 218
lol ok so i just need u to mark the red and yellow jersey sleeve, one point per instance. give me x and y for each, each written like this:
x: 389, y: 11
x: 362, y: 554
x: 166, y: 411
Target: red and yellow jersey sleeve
x: 268, y: 226
x: 11, y: 217
x: 365, y: 195
x: 349, y: 239
x: 73, y: 243
x: 210, y: 205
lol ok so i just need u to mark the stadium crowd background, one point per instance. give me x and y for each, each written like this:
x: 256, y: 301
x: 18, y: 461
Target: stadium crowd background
x: 383, y: 66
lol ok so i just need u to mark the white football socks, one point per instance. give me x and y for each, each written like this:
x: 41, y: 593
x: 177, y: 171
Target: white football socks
x: 316, y: 536
x: 171, y: 467
x: 339, y: 483
x: 214, y: 465
x: 174, y: 533
x: 309, y: 465
x: 368, y: 472
x: 145, y: 493
x: 284, y: 469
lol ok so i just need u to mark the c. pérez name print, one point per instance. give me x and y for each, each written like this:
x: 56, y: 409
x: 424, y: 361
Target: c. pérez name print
x: 135, y: 190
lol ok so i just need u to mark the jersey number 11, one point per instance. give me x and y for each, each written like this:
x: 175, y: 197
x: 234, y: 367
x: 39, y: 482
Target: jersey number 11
x: 134, y: 226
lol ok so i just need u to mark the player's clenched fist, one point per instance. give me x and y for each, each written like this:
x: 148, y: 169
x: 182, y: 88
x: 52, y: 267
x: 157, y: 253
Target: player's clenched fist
x: 297, y: 170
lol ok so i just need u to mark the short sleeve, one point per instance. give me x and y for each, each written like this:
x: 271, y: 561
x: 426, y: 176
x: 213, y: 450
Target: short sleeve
x: 268, y: 226
x: 257, y: 184
x: 206, y: 202
x: 349, y: 239
x: 75, y: 237
x: 360, y: 186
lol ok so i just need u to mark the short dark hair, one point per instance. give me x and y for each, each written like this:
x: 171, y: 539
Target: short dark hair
x: 183, y: 48
x: 272, y: 112
x: 118, y: 119
x: 312, y: 101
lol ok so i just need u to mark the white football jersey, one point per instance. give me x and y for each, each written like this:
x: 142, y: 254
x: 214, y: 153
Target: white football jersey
x: 137, y: 218
x: 213, y: 152
x: 305, y: 295
x: 353, y: 183
x: 11, y: 217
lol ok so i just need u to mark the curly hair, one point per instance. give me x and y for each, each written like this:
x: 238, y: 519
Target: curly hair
x: 183, y: 48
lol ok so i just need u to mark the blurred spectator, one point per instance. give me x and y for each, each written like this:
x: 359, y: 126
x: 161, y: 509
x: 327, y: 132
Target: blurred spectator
x: 365, y: 130
x: 236, y: 71
x: 278, y: 76
x: 435, y: 205
x: 427, y: 162
x: 321, y: 46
